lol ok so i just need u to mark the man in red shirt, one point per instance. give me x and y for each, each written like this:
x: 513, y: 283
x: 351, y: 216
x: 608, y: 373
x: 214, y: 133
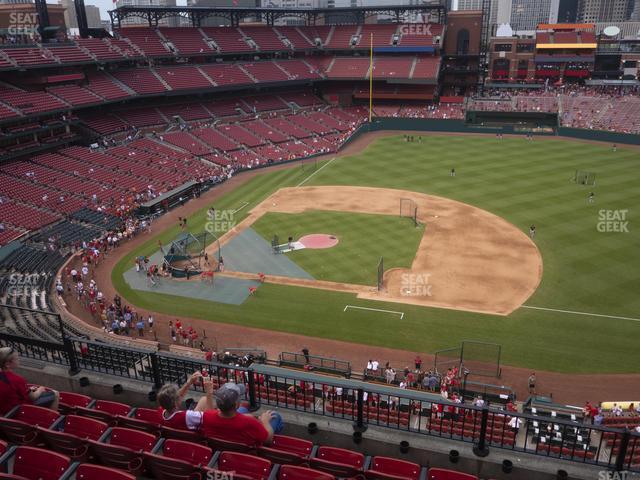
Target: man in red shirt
x: 231, y: 423
x: 14, y: 389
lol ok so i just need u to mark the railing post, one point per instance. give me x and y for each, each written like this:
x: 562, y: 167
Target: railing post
x: 155, y: 370
x: 481, y: 449
x: 71, y: 355
x: 359, y: 425
x: 624, y: 446
x: 251, y: 381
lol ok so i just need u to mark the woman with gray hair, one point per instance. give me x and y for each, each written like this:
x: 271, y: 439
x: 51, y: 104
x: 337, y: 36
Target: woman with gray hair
x: 170, y: 400
x: 14, y: 389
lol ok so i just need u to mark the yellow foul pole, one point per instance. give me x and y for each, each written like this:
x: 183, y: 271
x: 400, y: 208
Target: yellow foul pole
x: 371, y: 79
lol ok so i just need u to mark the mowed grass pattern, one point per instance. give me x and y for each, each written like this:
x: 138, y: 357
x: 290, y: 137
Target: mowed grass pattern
x: 363, y: 239
x: 523, y: 181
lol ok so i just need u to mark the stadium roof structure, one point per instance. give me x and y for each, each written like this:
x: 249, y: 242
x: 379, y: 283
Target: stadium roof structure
x: 234, y: 15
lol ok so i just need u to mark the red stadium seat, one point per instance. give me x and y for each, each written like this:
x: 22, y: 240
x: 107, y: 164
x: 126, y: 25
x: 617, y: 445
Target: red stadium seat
x: 222, y: 445
x: 445, y: 474
x: 291, y: 472
x: 21, y: 428
x: 338, y: 461
x: 72, y: 441
x: 124, y: 449
x: 179, y: 460
x: 148, y: 415
x: 189, y: 452
x: 105, y: 411
x: 98, y: 472
x: 242, y: 464
x: 37, y: 464
x: 70, y: 401
x: 3, y: 447
x: 385, y: 468
x: 145, y: 419
x: 165, y: 468
x: 286, y: 450
x: 186, y: 435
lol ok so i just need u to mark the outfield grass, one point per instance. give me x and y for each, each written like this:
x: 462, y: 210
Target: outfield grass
x: 525, y: 182
x: 362, y: 240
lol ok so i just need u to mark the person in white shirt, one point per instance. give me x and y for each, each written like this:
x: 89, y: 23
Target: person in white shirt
x: 374, y: 366
x: 616, y: 410
x: 515, y: 423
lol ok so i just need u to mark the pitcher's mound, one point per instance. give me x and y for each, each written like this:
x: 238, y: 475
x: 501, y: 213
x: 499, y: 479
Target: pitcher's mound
x: 319, y: 240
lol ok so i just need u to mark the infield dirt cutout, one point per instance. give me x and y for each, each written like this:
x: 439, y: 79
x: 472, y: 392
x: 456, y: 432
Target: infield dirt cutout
x: 468, y: 258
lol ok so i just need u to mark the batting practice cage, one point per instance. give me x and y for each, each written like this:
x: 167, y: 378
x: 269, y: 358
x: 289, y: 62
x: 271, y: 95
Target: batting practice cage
x: 584, y: 178
x: 409, y: 209
x: 185, y: 255
x: 479, y: 358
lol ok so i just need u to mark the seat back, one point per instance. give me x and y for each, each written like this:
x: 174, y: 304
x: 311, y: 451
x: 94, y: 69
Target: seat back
x: 341, y: 455
x: 391, y: 468
x: 186, y: 435
x: 187, y: 451
x: 221, y: 445
x: 445, y: 474
x: 84, y: 427
x: 292, y: 444
x: 148, y: 415
x: 291, y: 472
x: 281, y: 457
x: 105, y: 411
x: 36, y: 463
x: 338, y: 461
x: 243, y: 464
x: 135, y: 424
x: 98, y: 472
x: 133, y: 439
x: 18, y: 432
x: 36, y: 416
x: 116, y: 456
x: 69, y: 401
x: 165, y: 468
x: 3, y: 447
x: 73, y: 447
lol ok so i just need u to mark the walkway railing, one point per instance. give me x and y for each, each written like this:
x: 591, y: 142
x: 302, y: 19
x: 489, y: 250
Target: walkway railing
x: 362, y: 403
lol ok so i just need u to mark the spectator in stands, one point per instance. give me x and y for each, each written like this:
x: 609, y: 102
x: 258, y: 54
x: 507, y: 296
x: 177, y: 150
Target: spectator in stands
x: 14, y: 389
x: 616, y: 410
x: 233, y: 423
x: 170, y: 399
x: 390, y: 375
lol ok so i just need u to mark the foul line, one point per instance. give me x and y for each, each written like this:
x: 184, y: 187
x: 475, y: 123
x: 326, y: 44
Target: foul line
x: 306, y: 179
x: 374, y: 310
x: 240, y: 207
x: 582, y: 313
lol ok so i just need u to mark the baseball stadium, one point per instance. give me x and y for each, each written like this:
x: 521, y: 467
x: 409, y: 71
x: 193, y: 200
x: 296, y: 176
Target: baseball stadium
x: 358, y: 242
